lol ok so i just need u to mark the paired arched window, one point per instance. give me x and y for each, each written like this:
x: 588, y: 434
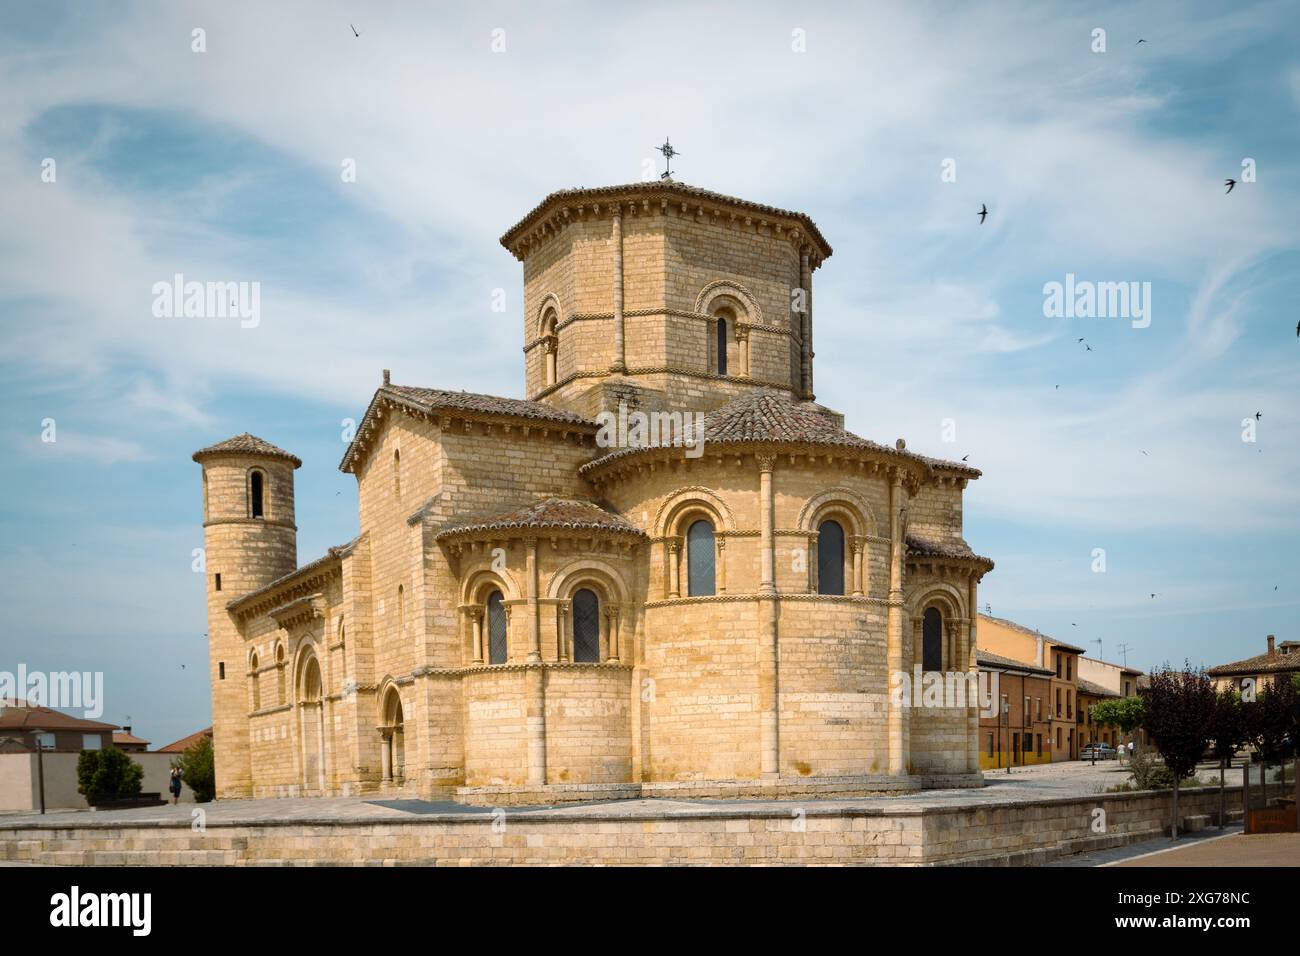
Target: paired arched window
x: 701, y: 574
x: 586, y: 626
x: 932, y: 640
x: 496, y: 616
x: 830, y: 558
x: 256, y: 494
x: 722, y: 345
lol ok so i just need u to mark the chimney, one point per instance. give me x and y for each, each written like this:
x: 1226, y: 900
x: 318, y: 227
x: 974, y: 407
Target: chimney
x: 387, y: 377
x: 127, y: 730
x: 1272, y: 654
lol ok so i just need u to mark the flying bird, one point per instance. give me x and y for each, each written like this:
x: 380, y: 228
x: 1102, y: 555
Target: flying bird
x: 1144, y: 452
x: 1153, y: 595
x: 1229, y: 183
x: 1140, y: 41
x: 983, y: 213
x: 964, y: 457
x: 1297, y: 330
x: 1088, y: 347
x: 354, y: 31
x: 1258, y: 416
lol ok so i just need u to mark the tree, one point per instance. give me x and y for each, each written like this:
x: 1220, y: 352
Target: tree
x: 1179, y: 708
x: 1271, y: 726
x: 1227, y: 733
x: 1125, y: 713
x: 108, y: 774
x: 197, y: 769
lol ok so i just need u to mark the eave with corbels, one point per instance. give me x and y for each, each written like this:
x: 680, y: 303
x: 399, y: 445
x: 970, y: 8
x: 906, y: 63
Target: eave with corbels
x: 562, y: 209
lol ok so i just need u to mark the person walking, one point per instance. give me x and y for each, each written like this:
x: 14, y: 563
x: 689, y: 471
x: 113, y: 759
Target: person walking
x: 175, y: 785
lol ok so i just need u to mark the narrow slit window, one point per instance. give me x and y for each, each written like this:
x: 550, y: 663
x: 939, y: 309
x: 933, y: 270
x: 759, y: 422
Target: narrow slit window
x: 256, y: 495
x: 722, y: 346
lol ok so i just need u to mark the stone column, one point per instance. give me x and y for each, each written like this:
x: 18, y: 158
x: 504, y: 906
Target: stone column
x: 534, y: 609
x: 549, y: 347
x: 767, y: 584
x: 674, y: 568
x: 769, y: 693
x: 720, y: 561
x: 614, y: 615
x: 805, y: 325
x: 386, y: 754
x: 859, y: 543
x: 972, y: 666
x: 562, y: 632
x: 606, y: 637
x: 535, y: 722
x: 899, y: 737
x: 476, y: 622
x: 620, y: 359
x: 742, y: 348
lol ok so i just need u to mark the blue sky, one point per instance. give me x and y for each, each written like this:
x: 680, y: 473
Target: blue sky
x: 226, y: 165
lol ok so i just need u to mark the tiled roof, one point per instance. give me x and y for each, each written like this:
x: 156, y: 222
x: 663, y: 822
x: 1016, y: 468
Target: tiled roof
x: 1260, y: 664
x: 1032, y: 633
x: 662, y: 188
x: 1094, y: 690
x: 247, y: 444
x: 988, y: 658
x: 470, y: 403
x: 767, y: 417
x: 122, y: 737
x: 558, y: 513
x: 18, y: 715
x: 185, y: 743
x: 929, y: 548
x: 947, y: 465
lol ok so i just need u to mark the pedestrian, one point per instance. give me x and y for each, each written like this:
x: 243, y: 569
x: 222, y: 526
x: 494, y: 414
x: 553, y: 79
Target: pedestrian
x: 1130, y: 751
x: 175, y: 785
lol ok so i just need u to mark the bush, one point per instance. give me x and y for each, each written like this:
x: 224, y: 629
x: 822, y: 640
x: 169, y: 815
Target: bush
x: 1149, y: 773
x: 107, y: 775
x: 198, y: 770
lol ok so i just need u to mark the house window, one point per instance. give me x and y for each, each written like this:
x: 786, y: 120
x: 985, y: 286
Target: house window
x: 1040, y: 745
x: 1026, y: 712
x: 830, y: 558
x: 1058, y: 702
x: 1058, y: 738
x: 1057, y: 657
x: 45, y: 741
x: 932, y: 640
x: 700, y: 571
x: 496, y: 614
x: 1069, y: 668
x: 722, y: 346
x: 255, y: 494
x: 990, y: 744
x: 91, y: 741
x: 586, y: 626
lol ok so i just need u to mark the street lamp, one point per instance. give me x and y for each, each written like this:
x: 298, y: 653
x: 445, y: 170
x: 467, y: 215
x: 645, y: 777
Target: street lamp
x: 40, y: 764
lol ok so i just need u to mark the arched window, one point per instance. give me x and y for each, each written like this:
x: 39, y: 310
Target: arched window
x: 279, y: 675
x: 255, y: 495
x: 254, y: 680
x: 397, y: 472
x: 700, y: 577
x: 550, y: 347
x: 496, y: 615
x: 830, y: 558
x: 586, y: 626
x: 722, y: 345
x: 393, y: 756
x: 932, y: 640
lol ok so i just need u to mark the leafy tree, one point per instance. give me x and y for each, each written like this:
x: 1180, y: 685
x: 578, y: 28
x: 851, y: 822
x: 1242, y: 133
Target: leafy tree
x: 107, y: 774
x: 1271, y: 725
x: 1125, y: 713
x: 198, y: 770
x: 1179, y: 719
x: 1227, y: 733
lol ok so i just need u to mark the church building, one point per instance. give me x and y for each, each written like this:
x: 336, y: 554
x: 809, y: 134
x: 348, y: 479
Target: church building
x: 538, y: 607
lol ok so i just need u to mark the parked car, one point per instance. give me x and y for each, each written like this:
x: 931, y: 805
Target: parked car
x: 1104, y: 752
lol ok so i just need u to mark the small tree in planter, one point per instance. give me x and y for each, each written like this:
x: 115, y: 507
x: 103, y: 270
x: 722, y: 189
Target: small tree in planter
x: 1227, y: 734
x: 1179, y: 707
x: 107, y: 774
x: 197, y: 769
x: 1124, y: 713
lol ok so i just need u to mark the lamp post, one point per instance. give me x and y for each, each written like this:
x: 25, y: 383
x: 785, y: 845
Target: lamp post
x: 40, y: 764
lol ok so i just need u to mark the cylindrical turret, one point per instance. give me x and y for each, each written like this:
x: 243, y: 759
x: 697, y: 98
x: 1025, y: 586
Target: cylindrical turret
x: 250, y: 539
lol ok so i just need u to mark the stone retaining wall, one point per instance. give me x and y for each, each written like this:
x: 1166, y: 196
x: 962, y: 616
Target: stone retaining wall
x: 991, y: 834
